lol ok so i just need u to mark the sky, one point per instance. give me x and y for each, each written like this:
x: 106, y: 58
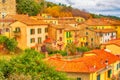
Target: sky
x: 105, y: 7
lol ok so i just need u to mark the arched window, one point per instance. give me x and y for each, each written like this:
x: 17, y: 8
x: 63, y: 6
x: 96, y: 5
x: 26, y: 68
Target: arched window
x: 17, y: 29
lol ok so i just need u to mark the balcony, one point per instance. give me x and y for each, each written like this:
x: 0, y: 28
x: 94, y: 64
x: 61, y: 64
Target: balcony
x: 17, y: 33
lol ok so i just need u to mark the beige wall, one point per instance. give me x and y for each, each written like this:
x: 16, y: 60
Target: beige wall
x: 113, y: 48
x: 22, y: 38
x: 36, y: 35
x: 83, y: 76
x: 25, y: 36
x: 96, y: 39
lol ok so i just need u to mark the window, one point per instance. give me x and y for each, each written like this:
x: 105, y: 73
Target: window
x: 109, y: 73
x: 68, y: 34
x: 78, y: 78
x: 3, y: 1
x: 69, y: 41
x: 60, y: 31
x: 86, y: 43
x: 117, y: 66
x: 46, y: 37
x: 83, y: 38
x: 98, y: 77
x: 60, y: 38
x: 39, y: 30
x: 102, y: 27
x: 7, y: 29
x: 3, y: 16
x: 39, y: 40
x: 86, y: 33
x: 17, y: 29
x: 32, y: 31
x: 91, y: 39
x: 46, y: 30
x: 32, y: 40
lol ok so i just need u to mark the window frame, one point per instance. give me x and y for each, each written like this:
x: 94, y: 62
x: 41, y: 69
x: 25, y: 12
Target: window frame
x: 32, y: 40
x: 32, y: 32
x: 39, y: 30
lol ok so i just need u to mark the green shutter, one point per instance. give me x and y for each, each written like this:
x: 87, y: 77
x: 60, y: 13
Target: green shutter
x: 66, y: 34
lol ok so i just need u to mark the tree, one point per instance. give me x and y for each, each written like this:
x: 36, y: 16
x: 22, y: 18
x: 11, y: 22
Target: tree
x: 29, y: 66
x: 2, y: 39
x: 71, y: 48
x: 82, y: 49
x: 11, y: 44
x: 29, y: 7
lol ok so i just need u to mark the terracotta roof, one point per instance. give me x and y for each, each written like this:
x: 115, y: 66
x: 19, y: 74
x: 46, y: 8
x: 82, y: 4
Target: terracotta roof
x: 86, y: 64
x: 66, y: 27
x: 98, y: 22
x: 48, y: 40
x: 67, y: 22
x: 43, y: 18
x: 112, y: 21
x: 27, y: 20
x: 7, y: 20
x: 70, y: 28
x: 114, y: 41
x: 57, y: 26
x: 104, y: 30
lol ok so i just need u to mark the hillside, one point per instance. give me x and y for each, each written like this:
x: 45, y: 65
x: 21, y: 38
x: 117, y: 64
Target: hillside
x: 34, y: 7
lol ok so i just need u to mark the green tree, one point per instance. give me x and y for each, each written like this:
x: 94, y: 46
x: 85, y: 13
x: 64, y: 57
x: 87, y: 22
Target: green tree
x: 29, y: 7
x: 11, y: 44
x: 71, y: 49
x: 82, y: 49
x: 3, y: 39
x: 31, y: 66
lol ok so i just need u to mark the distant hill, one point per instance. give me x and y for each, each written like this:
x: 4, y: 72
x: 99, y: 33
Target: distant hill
x: 109, y: 16
x: 73, y: 11
x: 34, y: 7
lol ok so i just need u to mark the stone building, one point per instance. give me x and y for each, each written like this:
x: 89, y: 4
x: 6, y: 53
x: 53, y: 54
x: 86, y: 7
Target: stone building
x: 7, y: 7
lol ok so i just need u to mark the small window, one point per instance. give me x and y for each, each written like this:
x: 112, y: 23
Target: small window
x: 32, y: 40
x: 98, y: 77
x: 109, y: 73
x: 3, y: 16
x: 91, y: 39
x: 32, y: 31
x: 39, y: 40
x: 60, y: 31
x: 39, y: 30
x: 46, y: 37
x: 86, y: 33
x: 68, y: 34
x: 46, y: 30
x: 117, y: 66
x: 17, y: 29
x: 7, y: 29
x: 60, y: 38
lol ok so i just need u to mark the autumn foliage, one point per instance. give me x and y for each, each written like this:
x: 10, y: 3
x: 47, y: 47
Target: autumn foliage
x: 56, y: 11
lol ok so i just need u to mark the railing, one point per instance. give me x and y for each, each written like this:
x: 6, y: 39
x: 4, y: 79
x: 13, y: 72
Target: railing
x: 17, y: 33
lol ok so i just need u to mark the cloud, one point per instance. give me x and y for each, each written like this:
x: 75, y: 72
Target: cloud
x: 97, y: 6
